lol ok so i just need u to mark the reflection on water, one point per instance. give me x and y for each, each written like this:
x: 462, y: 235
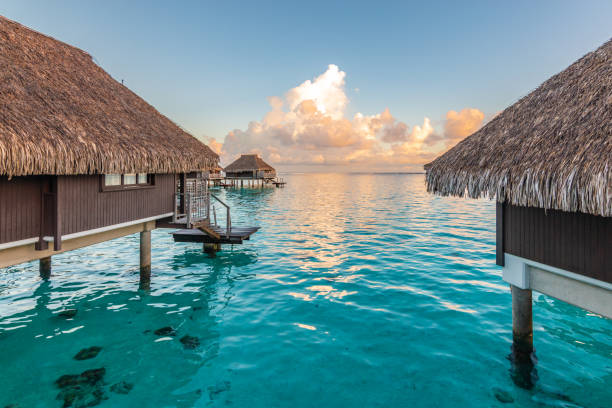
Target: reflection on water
x: 359, y: 290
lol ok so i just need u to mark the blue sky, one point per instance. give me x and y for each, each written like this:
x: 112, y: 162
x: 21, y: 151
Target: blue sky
x: 210, y: 66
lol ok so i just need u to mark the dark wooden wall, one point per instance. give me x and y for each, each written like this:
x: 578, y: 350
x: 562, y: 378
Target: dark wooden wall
x: 20, y: 201
x: 576, y: 242
x: 85, y: 207
x: 82, y: 205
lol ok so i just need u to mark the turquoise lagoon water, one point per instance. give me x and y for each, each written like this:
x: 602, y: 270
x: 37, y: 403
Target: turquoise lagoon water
x: 359, y: 291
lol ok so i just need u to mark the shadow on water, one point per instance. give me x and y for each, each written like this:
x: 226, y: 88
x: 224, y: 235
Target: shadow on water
x: 227, y: 258
x: 42, y: 294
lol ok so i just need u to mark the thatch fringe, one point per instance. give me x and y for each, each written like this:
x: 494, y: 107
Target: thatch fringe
x: 60, y: 113
x: 552, y: 149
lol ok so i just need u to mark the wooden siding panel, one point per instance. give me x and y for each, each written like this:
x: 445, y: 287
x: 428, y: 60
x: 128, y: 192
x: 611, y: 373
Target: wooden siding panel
x: 86, y: 207
x: 82, y: 205
x: 576, y: 242
x: 20, y: 201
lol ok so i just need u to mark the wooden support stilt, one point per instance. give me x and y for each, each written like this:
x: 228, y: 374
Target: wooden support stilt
x: 45, y: 268
x: 145, y: 260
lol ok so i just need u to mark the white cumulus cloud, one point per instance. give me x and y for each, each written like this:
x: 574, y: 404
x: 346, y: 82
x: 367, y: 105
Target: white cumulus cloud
x: 309, y: 126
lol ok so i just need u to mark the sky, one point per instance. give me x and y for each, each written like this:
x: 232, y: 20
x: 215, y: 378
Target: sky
x: 327, y: 86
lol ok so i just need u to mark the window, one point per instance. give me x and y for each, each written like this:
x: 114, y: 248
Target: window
x: 112, y: 179
x: 130, y: 181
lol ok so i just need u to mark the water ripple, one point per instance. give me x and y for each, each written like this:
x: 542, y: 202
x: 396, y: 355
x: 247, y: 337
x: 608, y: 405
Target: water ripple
x: 359, y: 290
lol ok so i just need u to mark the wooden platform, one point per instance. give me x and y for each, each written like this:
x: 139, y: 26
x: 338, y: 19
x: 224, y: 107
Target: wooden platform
x: 236, y: 235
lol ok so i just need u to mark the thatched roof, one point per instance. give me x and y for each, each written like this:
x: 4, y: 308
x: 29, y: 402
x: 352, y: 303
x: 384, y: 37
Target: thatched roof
x: 248, y: 162
x: 552, y: 149
x: 60, y: 113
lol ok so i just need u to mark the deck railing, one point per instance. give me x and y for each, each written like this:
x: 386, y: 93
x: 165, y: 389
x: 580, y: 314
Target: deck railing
x: 191, y: 208
x: 228, y: 218
x: 197, y: 207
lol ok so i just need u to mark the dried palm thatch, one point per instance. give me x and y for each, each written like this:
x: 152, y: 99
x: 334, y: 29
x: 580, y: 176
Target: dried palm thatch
x: 60, y: 113
x: 552, y: 149
x: 248, y: 162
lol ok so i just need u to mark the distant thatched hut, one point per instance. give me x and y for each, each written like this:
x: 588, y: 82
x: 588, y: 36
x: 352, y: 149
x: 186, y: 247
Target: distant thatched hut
x: 548, y: 161
x: 250, y: 167
x: 215, y: 173
x: 82, y: 158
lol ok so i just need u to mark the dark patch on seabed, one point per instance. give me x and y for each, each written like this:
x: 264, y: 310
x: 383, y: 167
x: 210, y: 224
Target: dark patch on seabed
x: 122, y: 387
x: 190, y: 342
x: 503, y: 396
x: 67, y: 314
x: 218, y: 388
x: 82, y: 390
x: 88, y: 353
x: 165, y: 331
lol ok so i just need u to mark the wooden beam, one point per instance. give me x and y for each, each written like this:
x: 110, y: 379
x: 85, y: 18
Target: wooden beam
x: 26, y: 253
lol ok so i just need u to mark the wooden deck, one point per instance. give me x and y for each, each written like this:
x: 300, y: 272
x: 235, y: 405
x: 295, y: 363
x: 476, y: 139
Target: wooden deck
x: 236, y: 235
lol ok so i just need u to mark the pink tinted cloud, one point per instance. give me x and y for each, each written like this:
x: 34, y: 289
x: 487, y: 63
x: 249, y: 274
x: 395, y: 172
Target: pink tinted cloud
x: 309, y: 127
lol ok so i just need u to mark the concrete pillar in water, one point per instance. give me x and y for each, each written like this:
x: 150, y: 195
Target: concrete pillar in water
x: 523, y: 358
x: 522, y: 320
x: 145, y: 260
x: 45, y: 268
x: 212, y: 249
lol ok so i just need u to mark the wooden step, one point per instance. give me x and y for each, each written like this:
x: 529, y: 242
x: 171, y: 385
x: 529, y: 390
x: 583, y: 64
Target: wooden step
x: 205, y: 227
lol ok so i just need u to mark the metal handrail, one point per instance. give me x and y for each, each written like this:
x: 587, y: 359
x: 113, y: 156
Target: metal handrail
x: 228, y: 219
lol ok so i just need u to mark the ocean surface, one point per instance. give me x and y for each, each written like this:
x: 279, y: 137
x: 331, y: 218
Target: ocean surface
x: 360, y: 290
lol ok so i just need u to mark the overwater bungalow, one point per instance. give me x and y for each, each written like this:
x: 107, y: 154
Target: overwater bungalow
x: 83, y: 159
x: 215, y: 175
x: 547, y: 160
x: 252, y: 168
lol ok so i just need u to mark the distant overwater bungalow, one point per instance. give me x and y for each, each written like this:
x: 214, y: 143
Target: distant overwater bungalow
x: 85, y: 160
x: 252, y: 169
x: 547, y: 160
x: 216, y: 176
